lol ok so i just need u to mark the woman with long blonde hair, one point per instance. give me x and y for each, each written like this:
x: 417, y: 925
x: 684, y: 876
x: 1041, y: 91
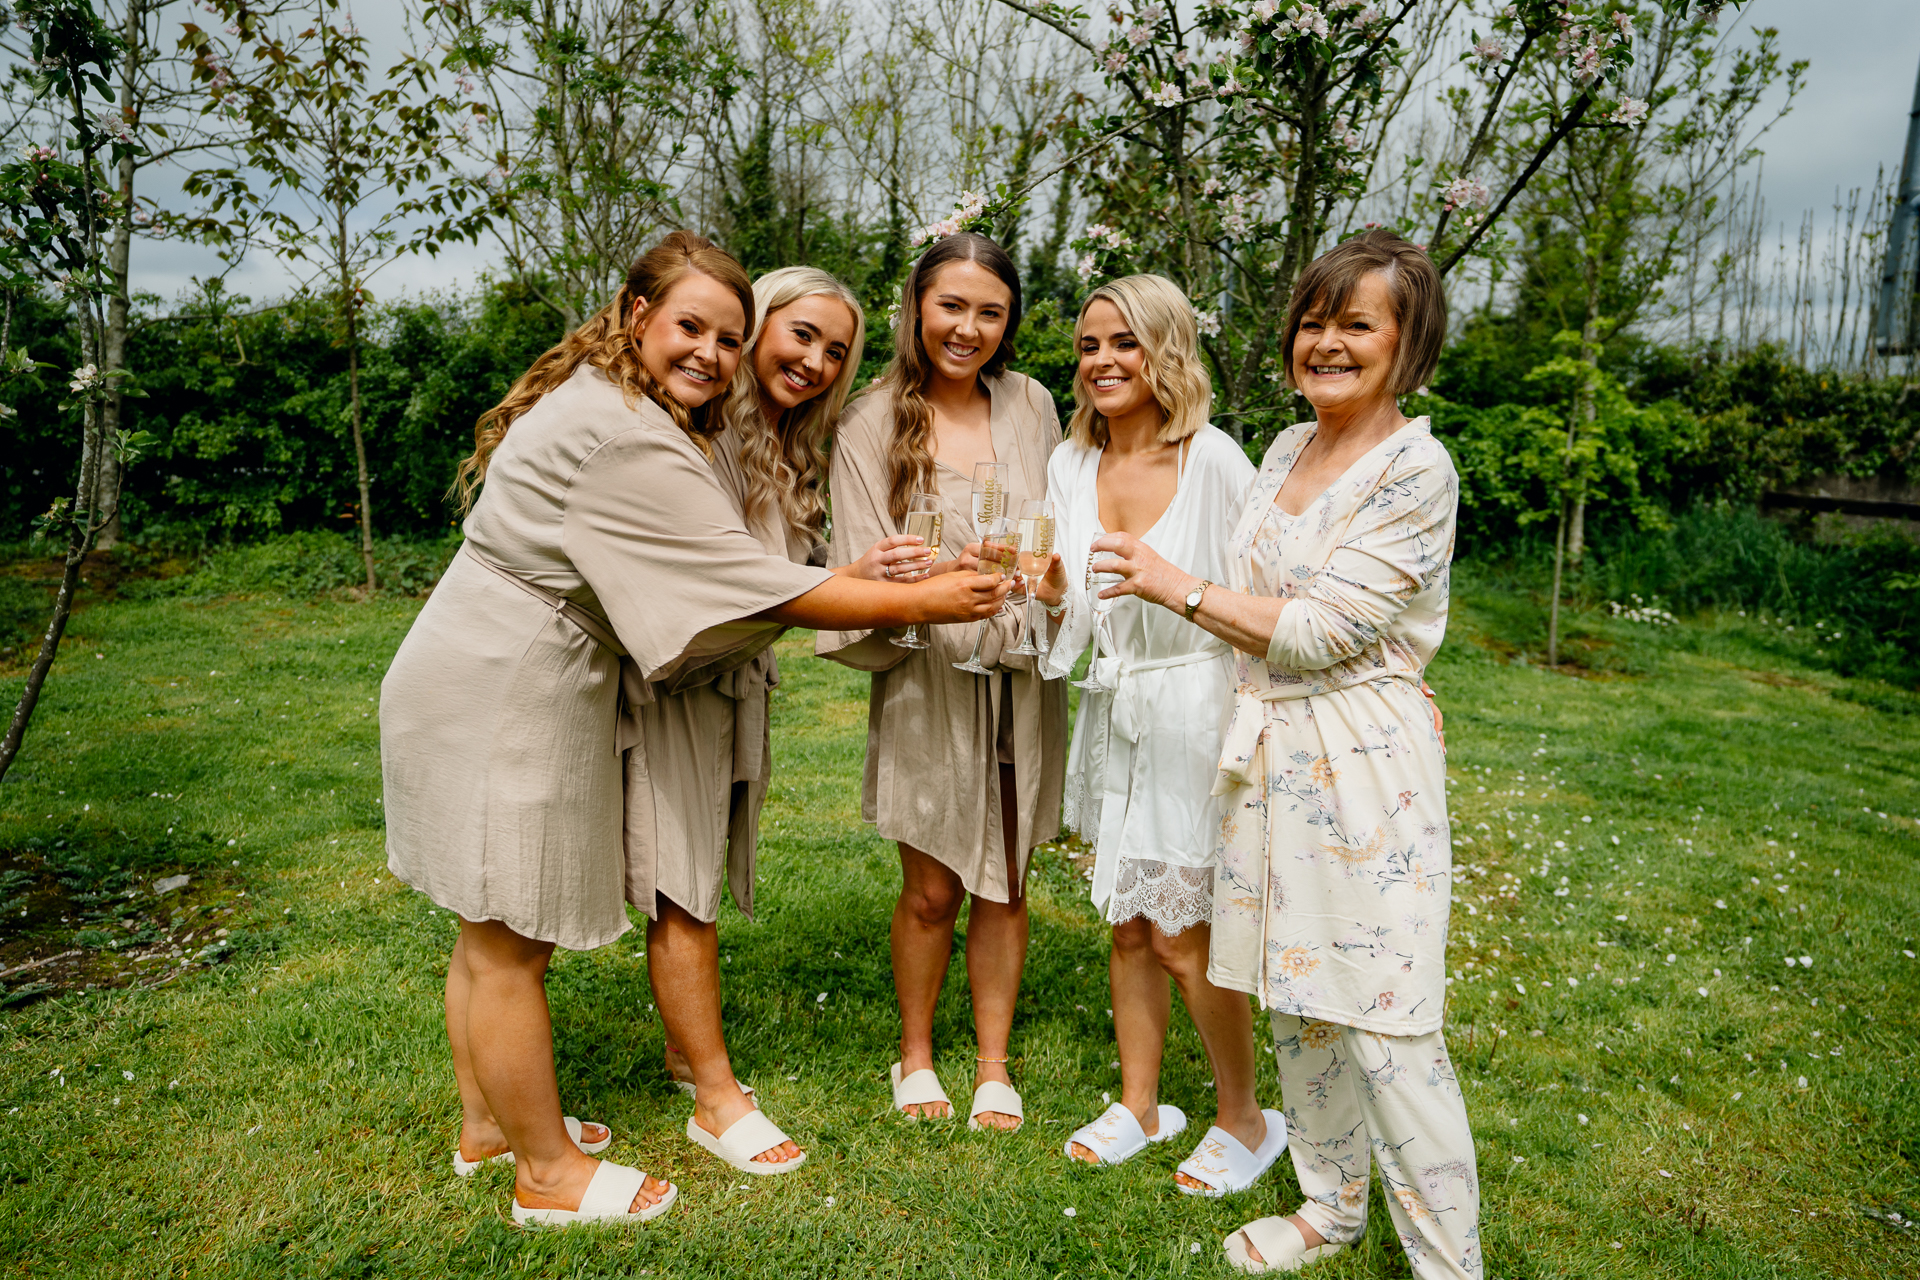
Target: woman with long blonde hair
x: 789, y: 387
x: 601, y: 560
x: 963, y: 771
x: 1142, y: 459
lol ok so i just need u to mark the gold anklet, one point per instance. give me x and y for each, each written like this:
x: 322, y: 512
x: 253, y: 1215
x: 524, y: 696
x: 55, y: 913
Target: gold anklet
x: 990, y: 1060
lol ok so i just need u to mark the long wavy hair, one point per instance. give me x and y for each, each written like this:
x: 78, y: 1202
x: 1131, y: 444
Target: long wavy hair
x: 785, y: 461
x: 910, y: 455
x: 1162, y: 319
x: 607, y: 342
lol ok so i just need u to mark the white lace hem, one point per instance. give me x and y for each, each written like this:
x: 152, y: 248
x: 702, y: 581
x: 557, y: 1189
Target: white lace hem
x: 1173, y: 899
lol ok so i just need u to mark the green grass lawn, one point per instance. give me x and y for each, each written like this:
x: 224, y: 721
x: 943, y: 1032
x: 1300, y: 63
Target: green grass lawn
x: 1679, y: 1101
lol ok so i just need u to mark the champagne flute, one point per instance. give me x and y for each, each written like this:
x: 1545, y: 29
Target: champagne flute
x: 989, y: 493
x: 1036, y: 553
x: 1101, y: 608
x: 923, y: 521
x: 999, y: 552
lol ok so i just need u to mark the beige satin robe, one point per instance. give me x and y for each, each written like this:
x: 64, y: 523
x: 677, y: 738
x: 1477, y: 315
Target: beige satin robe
x: 694, y: 794
x: 501, y: 721
x: 934, y: 733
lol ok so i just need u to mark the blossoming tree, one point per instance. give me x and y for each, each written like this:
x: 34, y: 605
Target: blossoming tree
x: 1242, y: 139
x: 55, y: 210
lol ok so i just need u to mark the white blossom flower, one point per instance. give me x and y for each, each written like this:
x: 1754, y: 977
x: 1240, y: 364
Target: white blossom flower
x: 1264, y: 11
x: 1465, y: 191
x: 1208, y: 322
x: 1116, y: 58
x: 1491, y: 52
x: 1153, y: 15
x: 1084, y: 268
x: 1182, y: 59
x: 1629, y: 111
x: 1167, y: 95
x: 1137, y: 36
x: 111, y: 122
x: 1210, y: 186
x: 85, y: 378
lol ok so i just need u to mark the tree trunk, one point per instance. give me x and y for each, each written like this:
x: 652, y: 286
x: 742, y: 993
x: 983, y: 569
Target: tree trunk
x: 1559, y: 563
x: 1585, y: 410
x: 113, y: 353
x: 360, y: 451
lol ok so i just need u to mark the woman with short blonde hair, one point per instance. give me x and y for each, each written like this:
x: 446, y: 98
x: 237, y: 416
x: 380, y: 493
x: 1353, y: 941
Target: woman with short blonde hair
x: 1335, y: 855
x: 1144, y: 459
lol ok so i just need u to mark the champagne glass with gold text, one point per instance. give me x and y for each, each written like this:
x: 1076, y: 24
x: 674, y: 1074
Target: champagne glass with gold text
x: 923, y: 521
x: 1036, y: 552
x: 989, y: 494
x: 1097, y: 582
x: 999, y: 553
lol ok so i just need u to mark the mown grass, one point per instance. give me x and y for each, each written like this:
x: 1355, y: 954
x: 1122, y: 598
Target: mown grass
x: 289, y: 1110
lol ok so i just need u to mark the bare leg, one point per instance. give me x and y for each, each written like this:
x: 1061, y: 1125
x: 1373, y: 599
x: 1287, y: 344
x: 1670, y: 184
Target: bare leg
x: 1142, y: 1002
x: 930, y: 898
x: 683, y: 962
x: 1225, y: 1022
x: 509, y: 1047
x: 996, y: 957
x: 480, y: 1136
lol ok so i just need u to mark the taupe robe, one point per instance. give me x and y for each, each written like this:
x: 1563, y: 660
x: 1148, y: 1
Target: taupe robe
x: 500, y: 719
x: 934, y: 733
x: 694, y: 794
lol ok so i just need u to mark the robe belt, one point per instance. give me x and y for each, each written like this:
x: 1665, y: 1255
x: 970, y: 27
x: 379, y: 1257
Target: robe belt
x: 635, y: 692
x: 1248, y: 729
x: 1117, y: 675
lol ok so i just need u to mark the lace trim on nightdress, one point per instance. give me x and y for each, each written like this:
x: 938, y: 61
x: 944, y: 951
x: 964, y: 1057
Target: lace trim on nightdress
x: 1173, y: 899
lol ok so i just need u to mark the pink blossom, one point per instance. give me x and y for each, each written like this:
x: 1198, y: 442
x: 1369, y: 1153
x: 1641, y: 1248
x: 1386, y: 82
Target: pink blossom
x: 1208, y: 322
x: 1491, y: 51
x: 1465, y: 191
x: 1167, y: 95
x: 1264, y: 11
x: 1386, y: 1000
x: 1368, y: 16
x: 1624, y: 21
x: 1183, y: 59
x: 1630, y: 111
x: 1084, y: 268
x: 1137, y: 36
x: 1210, y: 186
x: 1116, y: 58
x: 1153, y: 15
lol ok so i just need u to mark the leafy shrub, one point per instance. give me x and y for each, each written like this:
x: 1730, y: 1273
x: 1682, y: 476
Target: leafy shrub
x: 308, y: 564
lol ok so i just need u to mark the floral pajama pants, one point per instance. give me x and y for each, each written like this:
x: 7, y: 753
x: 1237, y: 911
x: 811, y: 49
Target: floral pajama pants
x: 1355, y: 1097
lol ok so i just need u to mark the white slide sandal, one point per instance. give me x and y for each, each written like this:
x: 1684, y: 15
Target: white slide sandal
x: 607, y: 1199
x: 465, y: 1168
x: 994, y: 1096
x: 1117, y: 1135
x: 744, y: 1139
x: 1281, y: 1246
x: 919, y: 1089
x: 1226, y: 1166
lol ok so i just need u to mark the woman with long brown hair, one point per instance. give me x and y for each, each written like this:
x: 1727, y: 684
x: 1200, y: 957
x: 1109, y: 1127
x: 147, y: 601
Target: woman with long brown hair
x: 507, y: 709
x: 963, y: 771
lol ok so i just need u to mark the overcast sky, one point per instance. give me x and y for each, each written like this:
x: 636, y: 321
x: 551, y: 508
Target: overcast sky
x: 1850, y: 119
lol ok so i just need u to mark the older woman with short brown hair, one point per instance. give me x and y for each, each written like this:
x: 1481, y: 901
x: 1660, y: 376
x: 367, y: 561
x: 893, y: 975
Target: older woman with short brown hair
x: 1335, y: 865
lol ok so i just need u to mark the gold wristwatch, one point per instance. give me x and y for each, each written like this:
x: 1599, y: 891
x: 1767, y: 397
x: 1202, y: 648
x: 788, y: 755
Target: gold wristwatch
x: 1193, y: 598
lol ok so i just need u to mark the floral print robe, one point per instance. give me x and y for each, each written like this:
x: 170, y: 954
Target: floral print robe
x: 1335, y: 863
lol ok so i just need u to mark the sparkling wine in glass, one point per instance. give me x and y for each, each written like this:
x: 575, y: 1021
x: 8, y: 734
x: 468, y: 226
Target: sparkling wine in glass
x: 1036, y: 553
x: 1097, y: 582
x: 989, y: 494
x: 923, y: 521
x: 999, y: 553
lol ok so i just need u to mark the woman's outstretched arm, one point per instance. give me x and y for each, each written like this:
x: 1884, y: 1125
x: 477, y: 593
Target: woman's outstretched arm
x: 1244, y: 621
x: 846, y: 603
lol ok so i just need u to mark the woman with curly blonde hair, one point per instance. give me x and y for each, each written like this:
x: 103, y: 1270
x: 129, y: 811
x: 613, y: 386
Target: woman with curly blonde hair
x: 963, y: 770
x: 601, y: 561
x: 1144, y: 460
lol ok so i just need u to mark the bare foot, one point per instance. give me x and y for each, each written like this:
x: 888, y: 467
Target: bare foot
x: 734, y: 1105
x: 567, y: 1192
x: 489, y: 1141
x: 928, y: 1110
x: 1251, y: 1134
x: 982, y: 1073
x: 1149, y: 1125
x: 1313, y: 1238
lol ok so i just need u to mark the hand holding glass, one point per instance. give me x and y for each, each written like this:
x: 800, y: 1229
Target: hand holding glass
x: 999, y: 553
x: 923, y: 521
x: 1036, y: 556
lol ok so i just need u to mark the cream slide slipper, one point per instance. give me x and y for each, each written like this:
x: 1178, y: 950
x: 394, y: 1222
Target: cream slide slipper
x: 994, y: 1096
x: 918, y: 1090
x: 744, y: 1139
x: 464, y: 1168
x: 1281, y: 1246
x: 1117, y: 1135
x: 606, y: 1199
x: 1228, y: 1167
